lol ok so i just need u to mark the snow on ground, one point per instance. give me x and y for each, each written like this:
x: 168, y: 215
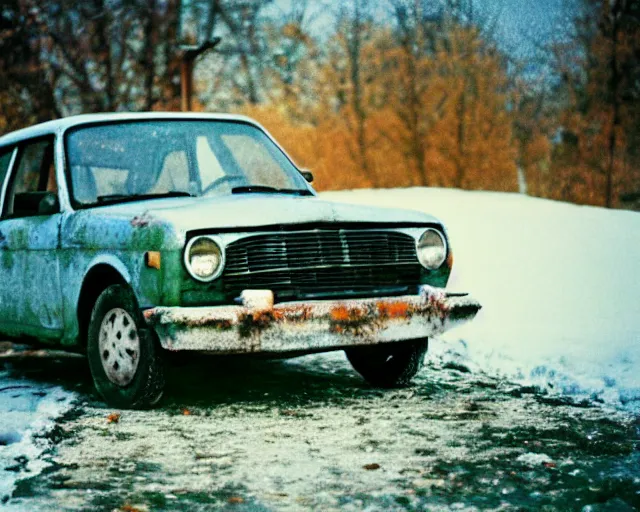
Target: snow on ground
x: 559, y: 284
x: 28, y: 410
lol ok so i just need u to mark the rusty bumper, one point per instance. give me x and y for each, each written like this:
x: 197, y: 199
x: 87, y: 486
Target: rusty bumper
x: 312, y: 325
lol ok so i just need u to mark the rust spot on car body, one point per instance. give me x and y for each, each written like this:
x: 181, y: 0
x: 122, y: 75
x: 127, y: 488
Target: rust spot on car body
x: 154, y: 317
x: 142, y: 221
x: 449, y: 260
x: 257, y: 321
x: 357, y: 321
x: 254, y: 323
x: 293, y: 313
x: 393, y: 310
x: 340, y: 314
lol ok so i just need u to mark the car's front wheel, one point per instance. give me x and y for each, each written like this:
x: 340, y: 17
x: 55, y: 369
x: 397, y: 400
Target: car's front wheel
x: 390, y: 364
x: 124, y: 357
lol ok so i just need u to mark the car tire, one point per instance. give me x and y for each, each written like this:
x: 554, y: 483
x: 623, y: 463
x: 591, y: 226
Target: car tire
x: 125, y: 357
x: 391, y: 364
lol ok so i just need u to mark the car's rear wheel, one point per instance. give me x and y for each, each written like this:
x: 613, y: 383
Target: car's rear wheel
x: 390, y: 364
x: 124, y: 356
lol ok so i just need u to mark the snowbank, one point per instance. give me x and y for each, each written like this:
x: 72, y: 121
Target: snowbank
x: 28, y: 411
x: 560, y: 286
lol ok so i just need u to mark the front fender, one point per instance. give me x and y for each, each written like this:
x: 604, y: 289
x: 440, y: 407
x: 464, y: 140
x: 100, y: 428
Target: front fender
x: 111, y: 260
x: 90, y: 239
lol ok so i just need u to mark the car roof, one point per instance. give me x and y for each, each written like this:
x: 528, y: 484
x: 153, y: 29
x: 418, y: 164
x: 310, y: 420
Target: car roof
x: 61, y: 125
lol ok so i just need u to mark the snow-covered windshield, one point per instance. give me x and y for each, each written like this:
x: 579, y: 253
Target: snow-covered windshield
x: 135, y: 160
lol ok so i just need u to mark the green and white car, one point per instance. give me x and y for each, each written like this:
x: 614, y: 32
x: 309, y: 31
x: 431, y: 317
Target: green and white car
x: 131, y: 236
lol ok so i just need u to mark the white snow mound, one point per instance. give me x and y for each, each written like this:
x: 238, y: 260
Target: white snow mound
x: 559, y: 285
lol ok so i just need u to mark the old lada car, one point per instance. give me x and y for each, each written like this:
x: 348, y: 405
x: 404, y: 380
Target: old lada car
x: 131, y: 236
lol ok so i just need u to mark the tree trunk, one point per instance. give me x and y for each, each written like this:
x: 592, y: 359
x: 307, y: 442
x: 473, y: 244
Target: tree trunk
x: 462, y: 112
x: 356, y: 85
x: 149, y: 53
x: 613, y: 86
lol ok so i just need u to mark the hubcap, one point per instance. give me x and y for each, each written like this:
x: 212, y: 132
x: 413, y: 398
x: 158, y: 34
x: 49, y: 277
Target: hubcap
x: 119, y: 346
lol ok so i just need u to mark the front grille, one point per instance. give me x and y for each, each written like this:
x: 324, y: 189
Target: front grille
x: 323, y: 262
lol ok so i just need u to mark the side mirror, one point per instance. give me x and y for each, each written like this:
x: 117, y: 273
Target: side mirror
x: 307, y: 175
x: 49, y: 204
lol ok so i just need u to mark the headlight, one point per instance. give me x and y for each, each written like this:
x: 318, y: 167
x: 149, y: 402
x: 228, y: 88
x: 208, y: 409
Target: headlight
x: 204, y: 258
x: 432, y: 249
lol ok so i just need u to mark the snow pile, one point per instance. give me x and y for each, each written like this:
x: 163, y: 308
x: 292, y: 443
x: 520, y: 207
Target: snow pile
x: 534, y: 459
x: 559, y: 284
x: 28, y: 411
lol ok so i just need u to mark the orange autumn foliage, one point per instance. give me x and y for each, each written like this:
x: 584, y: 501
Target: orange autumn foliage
x: 464, y: 136
x: 595, y: 160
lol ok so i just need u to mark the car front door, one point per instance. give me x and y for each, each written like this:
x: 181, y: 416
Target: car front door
x: 29, y: 235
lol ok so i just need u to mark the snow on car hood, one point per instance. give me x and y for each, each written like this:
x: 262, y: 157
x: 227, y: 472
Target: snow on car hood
x: 254, y: 210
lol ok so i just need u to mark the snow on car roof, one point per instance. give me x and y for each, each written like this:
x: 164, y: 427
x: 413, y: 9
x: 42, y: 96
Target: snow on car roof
x: 61, y: 125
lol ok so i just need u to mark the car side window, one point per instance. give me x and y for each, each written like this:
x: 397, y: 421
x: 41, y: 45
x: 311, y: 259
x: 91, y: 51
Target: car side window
x: 33, y: 178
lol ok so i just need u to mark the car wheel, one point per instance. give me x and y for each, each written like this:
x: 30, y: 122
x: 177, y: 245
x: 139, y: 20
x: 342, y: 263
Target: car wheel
x: 124, y: 356
x: 391, y: 364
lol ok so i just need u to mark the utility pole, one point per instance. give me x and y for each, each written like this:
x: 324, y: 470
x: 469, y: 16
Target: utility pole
x: 188, y: 57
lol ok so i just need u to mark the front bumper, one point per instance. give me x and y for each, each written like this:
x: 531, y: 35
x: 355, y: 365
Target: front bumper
x: 310, y: 326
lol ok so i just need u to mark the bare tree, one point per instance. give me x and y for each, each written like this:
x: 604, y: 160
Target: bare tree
x: 243, y: 46
x: 356, y: 21
x: 105, y: 55
x: 26, y: 93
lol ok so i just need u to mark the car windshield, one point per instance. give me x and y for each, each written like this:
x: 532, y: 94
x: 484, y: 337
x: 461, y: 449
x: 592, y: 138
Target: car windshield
x: 126, y: 161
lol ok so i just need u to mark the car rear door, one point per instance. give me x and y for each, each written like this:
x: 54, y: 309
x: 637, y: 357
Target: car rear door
x: 30, y: 289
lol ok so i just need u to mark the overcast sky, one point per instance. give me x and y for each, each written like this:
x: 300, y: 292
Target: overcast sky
x: 519, y: 22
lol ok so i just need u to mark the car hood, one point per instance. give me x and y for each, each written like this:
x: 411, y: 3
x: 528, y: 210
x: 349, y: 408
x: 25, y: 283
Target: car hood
x: 256, y: 210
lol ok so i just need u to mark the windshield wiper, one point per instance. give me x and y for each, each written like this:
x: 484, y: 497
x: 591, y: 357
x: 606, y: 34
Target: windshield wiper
x: 248, y: 189
x: 138, y: 197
